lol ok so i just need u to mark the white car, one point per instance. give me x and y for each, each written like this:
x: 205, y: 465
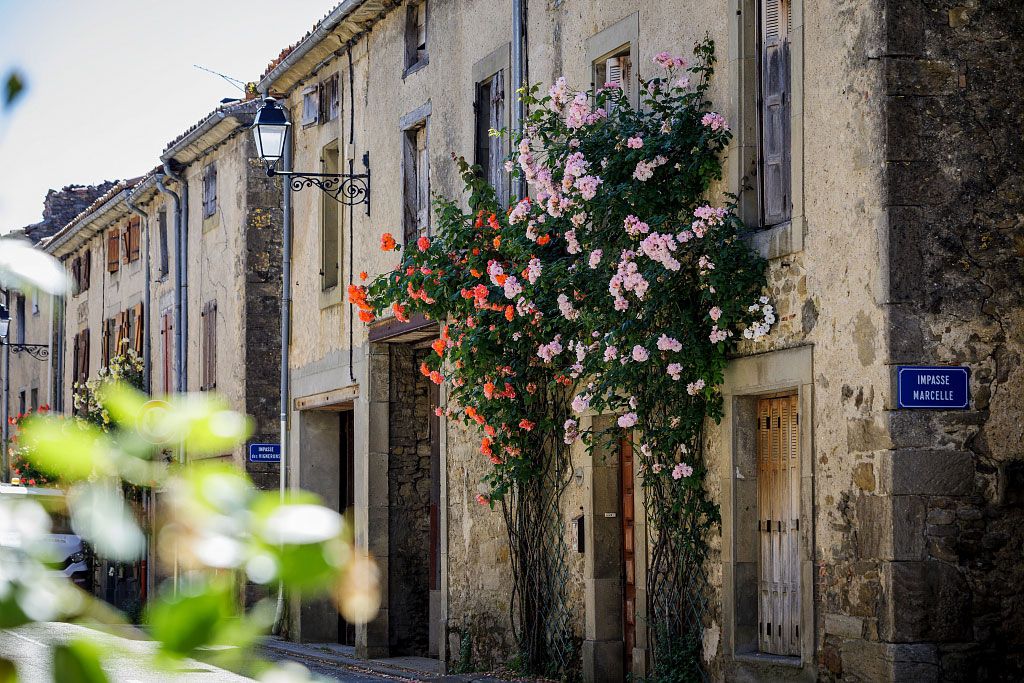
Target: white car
x: 67, y: 552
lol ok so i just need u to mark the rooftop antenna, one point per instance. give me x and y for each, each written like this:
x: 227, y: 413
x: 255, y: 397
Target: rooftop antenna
x: 233, y: 81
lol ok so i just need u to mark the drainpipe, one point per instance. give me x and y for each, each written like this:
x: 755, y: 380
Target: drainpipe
x: 147, y: 297
x: 286, y: 311
x: 181, y: 282
x: 58, y: 311
x: 518, y: 79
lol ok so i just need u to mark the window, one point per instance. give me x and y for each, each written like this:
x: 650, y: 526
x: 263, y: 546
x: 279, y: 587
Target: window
x: 34, y: 399
x: 310, y: 105
x: 490, y: 114
x: 161, y: 222
x: 19, y: 318
x: 416, y: 35
x: 330, y: 229
x: 113, y: 250
x: 76, y: 276
x: 22, y: 403
x: 616, y: 68
x: 613, y: 58
x: 775, y: 97
x: 778, y: 515
x: 330, y: 100
x: 35, y: 302
x: 209, y: 346
x: 209, y: 190
x: 416, y: 183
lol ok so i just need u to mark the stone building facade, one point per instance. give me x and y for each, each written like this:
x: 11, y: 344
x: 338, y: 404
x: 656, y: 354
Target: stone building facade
x: 898, y: 245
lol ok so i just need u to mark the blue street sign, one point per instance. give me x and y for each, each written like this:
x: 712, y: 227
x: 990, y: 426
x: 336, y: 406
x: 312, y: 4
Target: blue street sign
x: 933, y: 388
x: 264, y: 452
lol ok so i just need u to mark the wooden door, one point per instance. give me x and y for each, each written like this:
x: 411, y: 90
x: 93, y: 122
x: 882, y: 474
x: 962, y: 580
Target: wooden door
x: 347, y: 498
x: 778, y: 504
x: 627, y: 514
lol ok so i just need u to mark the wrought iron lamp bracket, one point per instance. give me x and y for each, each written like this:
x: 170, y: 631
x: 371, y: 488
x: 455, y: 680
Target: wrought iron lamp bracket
x: 350, y: 189
x: 37, y: 351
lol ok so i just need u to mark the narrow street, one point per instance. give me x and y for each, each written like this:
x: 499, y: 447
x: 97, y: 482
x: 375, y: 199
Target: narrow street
x: 29, y: 648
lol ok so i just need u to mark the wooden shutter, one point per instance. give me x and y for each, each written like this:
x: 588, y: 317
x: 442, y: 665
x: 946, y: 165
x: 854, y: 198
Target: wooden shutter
x: 409, y: 160
x: 209, y: 341
x: 76, y: 275
x: 495, y: 148
x: 134, y: 239
x: 775, y: 112
x: 113, y: 252
x: 76, y: 357
x: 165, y: 335
x: 422, y: 183
x: 86, y: 272
x: 126, y: 244
x: 140, y: 328
x: 105, y: 342
x: 778, y: 503
x: 85, y: 355
x: 210, y: 191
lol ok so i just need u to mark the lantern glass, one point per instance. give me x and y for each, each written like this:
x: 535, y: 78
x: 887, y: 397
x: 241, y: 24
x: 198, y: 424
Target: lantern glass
x: 270, y: 132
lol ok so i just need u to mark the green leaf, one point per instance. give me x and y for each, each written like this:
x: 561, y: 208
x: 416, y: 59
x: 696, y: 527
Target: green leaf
x: 192, y: 618
x: 8, y: 673
x: 77, y: 662
x: 101, y: 516
x: 66, y: 448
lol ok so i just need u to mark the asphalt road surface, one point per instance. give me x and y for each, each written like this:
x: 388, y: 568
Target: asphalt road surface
x: 126, y: 659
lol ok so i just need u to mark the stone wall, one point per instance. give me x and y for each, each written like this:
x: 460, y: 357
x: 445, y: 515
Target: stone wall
x: 954, y: 106
x: 263, y: 233
x: 409, y: 502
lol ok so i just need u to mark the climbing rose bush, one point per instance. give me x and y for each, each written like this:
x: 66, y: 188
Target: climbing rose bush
x: 616, y: 283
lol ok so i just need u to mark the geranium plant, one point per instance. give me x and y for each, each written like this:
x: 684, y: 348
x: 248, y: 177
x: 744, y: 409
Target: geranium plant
x: 616, y: 287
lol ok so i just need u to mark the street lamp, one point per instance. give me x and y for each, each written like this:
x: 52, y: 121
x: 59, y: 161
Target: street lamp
x: 270, y: 131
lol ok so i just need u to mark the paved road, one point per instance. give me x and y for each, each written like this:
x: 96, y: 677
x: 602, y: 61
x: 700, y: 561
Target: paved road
x: 125, y: 659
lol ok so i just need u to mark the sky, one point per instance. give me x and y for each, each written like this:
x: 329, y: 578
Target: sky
x: 111, y: 82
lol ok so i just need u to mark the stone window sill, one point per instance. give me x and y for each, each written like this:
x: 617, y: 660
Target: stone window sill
x: 762, y: 658
x: 779, y: 240
x: 413, y: 68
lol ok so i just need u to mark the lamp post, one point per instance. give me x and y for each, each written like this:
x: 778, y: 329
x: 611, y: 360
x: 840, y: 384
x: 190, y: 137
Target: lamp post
x: 37, y: 351
x: 270, y: 131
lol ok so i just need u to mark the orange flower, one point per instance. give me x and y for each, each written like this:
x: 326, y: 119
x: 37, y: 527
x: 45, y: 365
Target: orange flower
x: 509, y: 313
x: 485, y: 446
x: 439, y: 346
x: 497, y: 242
x: 363, y: 275
x: 399, y: 311
x: 526, y: 424
x: 500, y: 279
x: 436, y: 377
x: 489, y: 389
x: 490, y: 430
x: 423, y: 243
x: 492, y: 220
x: 482, y: 499
x: 366, y: 316
x: 424, y: 370
x: 387, y: 242
x: 543, y: 239
x: 475, y: 273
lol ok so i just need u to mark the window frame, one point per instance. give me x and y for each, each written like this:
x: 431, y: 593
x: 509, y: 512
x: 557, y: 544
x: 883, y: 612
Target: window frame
x: 415, y: 57
x: 329, y: 206
x: 210, y: 202
x: 164, y: 264
x: 411, y: 125
x: 485, y: 71
x: 310, y: 105
x: 624, y: 33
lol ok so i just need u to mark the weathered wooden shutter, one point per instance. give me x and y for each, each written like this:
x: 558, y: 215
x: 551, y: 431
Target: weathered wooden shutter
x: 85, y: 355
x: 775, y: 112
x: 140, y: 328
x: 495, y: 161
x: 105, y: 342
x: 165, y: 335
x: 778, y: 504
x: 134, y: 239
x: 76, y: 357
x: 162, y: 229
x: 113, y: 251
x: 76, y: 276
x: 210, y: 191
x: 422, y: 183
x: 209, y: 341
x: 409, y: 160
x: 126, y: 243
x: 86, y: 269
